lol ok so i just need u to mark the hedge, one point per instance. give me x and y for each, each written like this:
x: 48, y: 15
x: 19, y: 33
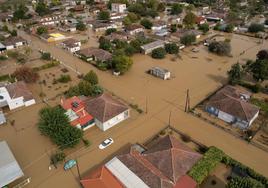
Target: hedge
x: 239, y: 182
x: 46, y: 66
x: 206, y: 165
x: 231, y: 162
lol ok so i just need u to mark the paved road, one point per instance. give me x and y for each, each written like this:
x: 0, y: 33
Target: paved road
x: 144, y: 126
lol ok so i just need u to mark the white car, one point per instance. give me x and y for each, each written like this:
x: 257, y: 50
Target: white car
x: 106, y: 143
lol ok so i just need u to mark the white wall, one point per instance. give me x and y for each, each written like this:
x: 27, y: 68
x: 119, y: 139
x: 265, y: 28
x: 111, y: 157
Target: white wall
x: 225, y: 117
x: 112, y: 122
x: 29, y: 103
x: 15, y: 103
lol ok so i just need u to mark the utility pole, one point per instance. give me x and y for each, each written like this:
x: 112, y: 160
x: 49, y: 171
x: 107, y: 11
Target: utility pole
x: 169, y: 119
x: 146, y: 107
x: 187, y: 103
x: 78, y: 170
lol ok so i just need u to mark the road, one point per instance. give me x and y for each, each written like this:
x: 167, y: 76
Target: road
x: 162, y: 98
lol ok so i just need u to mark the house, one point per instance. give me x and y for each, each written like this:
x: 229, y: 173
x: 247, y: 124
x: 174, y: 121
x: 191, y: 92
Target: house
x: 200, y: 20
x: 118, y: 35
x: 107, y: 111
x: 101, y: 27
x: 163, y: 165
x: 2, y: 48
x: 119, y: 7
x: 231, y: 105
x: 15, y: 95
x: 2, y: 117
x: 68, y: 28
x: 214, y: 17
x: 78, y: 116
x: 160, y: 73
x: 71, y: 45
x: 134, y: 29
x: 158, y: 25
x: 52, y: 20
x: 148, y: 48
x: 115, y: 16
x: 94, y: 54
x: 182, y: 32
x: 9, y: 167
x: 101, y: 178
x: 14, y: 42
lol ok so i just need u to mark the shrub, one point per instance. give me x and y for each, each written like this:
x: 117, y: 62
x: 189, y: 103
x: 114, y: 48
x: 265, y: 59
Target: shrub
x: 109, y: 31
x: 3, y: 58
x: 204, y: 27
x: 159, y: 53
x: 185, y: 138
x: 81, y: 26
x: 57, y: 157
x: 46, y: 66
x: 220, y: 47
x: 26, y: 74
x: 122, y: 63
x: 188, y: 39
x: 254, y: 88
x: 206, y: 165
x: 238, y: 182
x: 146, y: 23
x: 254, y: 28
x: 64, y: 78
x: 41, y: 30
x: 46, y: 56
x: 172, y: 48
x: 86, y: 142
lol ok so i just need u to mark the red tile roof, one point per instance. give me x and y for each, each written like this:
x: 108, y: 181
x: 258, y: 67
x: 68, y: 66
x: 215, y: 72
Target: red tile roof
x: 101, y: 178
x: 185, y: 182
x: 162, y: 165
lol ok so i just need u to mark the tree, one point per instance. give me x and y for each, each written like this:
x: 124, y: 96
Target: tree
x: 229, y: 28
x: 188, y: 39
x: 20, y: 12
x: 259, y: 69
x: 91, y: 77
x: 104, y: 15
x: 146, y: 23
x: 189, y: 20
x: 41, y: 8
x: 14, y: 32
x: 41, y: 30
x: 255, y: 28
x: 26, y: 74
x: 55, y: 124
x: 204, y: 27
x: 159, y: 53
x: 176, y: 9
x: 172, y: 48
x: 262, y: 54
x: 46, y: 56
x: 105, y: 44
x: 109, y: 31
x: 235, y: 73
x: 220, y: 47
x: 133, y: 17
x: 122, y: 63
x: 81, y: 26
x: 173, y: 28
x: 161, y: 7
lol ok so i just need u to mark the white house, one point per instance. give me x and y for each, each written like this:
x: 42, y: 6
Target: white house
x: 148, y: 48
x: 14, y: 42
x: 159, y: 25
x: 160, y: 73
x: 15, y: 95
x: 119, y: 7
x: 71, y: 45
x: 106, y: 111
x: 231, y: 105
x: 135, y: 29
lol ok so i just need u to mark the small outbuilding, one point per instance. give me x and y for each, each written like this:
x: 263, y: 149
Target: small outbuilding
x: 160, y: 73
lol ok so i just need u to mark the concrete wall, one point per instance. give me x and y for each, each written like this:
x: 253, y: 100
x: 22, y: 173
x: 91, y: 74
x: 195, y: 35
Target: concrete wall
x: 16, y: 103
x: 29, y: 103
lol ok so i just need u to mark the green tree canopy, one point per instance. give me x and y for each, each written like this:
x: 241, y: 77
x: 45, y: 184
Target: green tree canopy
x: 104, y: 15
x: 159, y: 53
x: 146, y: 23
x: 172, y: 48
x: 41, y: 30
x: 204, y: 27
x: 176, y: 9
x: 81, y: 26
x: 92, y: 78
x: 189, y: 20
x: 188, y: 39
x: 254, y: 28
x: 235, y: 73
x: 122, y: 63
x: 220, y: 47
x: 55, y: 124
x: 42, y: 8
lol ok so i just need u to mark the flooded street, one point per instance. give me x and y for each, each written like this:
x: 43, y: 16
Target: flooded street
x: 201, y: 73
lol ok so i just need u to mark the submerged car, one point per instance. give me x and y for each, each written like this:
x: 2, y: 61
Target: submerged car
x: 106, y: 143
x: 69, y: 164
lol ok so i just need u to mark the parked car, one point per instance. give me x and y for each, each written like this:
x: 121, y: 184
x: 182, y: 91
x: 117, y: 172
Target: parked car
x: 69, y: 164
x: 106, y: 143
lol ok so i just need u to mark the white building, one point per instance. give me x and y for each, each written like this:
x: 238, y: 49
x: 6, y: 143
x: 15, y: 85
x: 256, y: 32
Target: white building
x: 148, y: 48
x: 119, y: 7
x: 160, y: 73
x: 14, y: 42
x: 72, y: 45
x: 15, y: 95
x: 107, y: 111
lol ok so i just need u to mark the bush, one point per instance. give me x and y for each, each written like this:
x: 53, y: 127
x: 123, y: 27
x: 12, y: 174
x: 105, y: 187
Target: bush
x: 220, y: 47
x: 109, y: 31
x: 159, y: 53
x: 91, y: 77
x: 3, y: 58
x: 186, y: 138
x: 206, y: 165
x: 254, y: 88
x: 46, y: 56
x: 81, y: 26
x: 172, y: 48
x: 255, y: 28
x: 122, y: 63
x: 55, y: 124
x: 233, y: 163
x: 57, y: 157
x: 64, y: 78
x: 239, y: 182
x: 86, y: 142
x: 41, y: 30
x: 204, y: 27
x: 26, y: 74
x: 84, y: 88
x: 188, y: 39
x: 146, y: 23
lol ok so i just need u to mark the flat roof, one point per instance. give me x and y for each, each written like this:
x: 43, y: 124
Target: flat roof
x: 9, y: 167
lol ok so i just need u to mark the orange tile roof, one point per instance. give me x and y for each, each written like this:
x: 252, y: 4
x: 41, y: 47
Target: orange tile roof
x: 101, y: 178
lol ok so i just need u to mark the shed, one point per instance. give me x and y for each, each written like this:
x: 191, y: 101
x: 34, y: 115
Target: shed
x: 160, y: 72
